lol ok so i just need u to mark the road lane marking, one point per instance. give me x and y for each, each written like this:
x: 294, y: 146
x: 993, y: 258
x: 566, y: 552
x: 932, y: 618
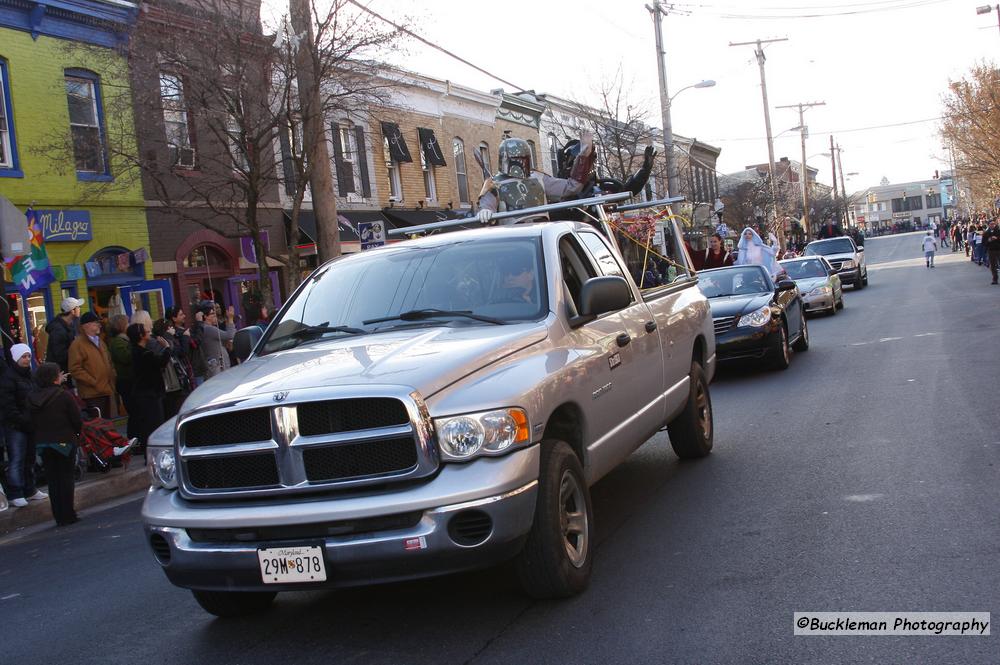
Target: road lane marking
x: 863, y: 498
x: 13, y: 595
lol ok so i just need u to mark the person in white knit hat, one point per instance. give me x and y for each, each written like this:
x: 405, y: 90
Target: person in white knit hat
x: 15, y: 384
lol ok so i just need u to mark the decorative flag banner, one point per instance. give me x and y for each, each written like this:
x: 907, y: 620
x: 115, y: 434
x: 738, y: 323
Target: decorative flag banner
x: 93, y: 269
x: 123, y: 260
x: 59, y: 272
x: 74, y: 271
x: 141, y: 255
x: 32, y: 271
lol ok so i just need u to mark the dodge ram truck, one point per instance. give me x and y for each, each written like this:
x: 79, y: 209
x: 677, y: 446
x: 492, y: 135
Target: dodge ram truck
x: 436, y: 405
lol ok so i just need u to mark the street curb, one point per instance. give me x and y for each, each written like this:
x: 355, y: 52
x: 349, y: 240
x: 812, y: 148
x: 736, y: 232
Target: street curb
x: 88, y: 494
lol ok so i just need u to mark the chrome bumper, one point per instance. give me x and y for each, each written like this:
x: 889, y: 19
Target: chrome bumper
x: 507, y: 488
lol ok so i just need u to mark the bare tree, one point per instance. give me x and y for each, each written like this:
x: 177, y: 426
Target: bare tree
x: 972, y: 126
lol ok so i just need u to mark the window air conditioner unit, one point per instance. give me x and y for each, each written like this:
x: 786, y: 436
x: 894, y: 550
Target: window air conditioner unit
x: 185, y: 158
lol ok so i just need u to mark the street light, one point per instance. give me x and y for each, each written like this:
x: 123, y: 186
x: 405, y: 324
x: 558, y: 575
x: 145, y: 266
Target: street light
x: 986, y: 9
x: 707, y: 83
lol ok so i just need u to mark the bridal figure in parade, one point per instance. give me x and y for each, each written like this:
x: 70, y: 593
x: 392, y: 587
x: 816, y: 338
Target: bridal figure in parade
x: 754, y: 251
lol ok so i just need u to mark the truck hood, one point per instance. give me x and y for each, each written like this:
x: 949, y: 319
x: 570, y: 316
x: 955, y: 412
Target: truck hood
x: 427, y: 359
x: 840, y: 257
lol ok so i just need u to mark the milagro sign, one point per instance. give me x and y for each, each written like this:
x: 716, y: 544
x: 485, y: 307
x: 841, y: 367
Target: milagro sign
x: 65, y: 225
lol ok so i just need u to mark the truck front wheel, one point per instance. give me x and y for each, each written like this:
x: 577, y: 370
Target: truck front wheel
x: 558, y: 555
x: 691, y: 432
x: 234, y: 603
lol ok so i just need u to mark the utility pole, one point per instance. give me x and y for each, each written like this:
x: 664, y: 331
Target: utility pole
x: 833, y: 169
x: 673, y: 187
x: 843, y: 187
x: 761, y: 58
x: 802, y: 106
x: 314, y: 133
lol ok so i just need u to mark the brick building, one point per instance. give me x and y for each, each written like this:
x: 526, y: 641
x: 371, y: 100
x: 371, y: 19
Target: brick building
x: 202, y: 253
x: 59, y: 67
x: 413, y: 160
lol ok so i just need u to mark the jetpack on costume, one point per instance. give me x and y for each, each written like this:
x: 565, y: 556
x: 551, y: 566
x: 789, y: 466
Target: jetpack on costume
x: 517, y: 186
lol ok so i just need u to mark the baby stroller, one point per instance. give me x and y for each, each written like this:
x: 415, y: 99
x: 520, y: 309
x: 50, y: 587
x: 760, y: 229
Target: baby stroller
x: 104, y: 447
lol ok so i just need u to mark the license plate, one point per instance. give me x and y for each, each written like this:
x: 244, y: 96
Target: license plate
x: 283, y: 565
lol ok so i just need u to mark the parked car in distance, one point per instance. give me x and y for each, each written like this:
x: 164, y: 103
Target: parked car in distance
x: 754, y: 318
x: 846, y: 257
x: 819, y: 284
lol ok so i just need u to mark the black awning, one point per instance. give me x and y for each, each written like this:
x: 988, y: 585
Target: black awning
x: 402, y: 218
x: 429, y: 144
x: 348, y: 222
x: 397, y: 144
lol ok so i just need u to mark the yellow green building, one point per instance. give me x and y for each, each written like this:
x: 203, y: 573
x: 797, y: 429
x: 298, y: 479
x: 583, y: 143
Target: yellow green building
x: 65, y: 113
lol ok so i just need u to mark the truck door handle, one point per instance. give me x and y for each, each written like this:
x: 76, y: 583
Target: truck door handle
x: 650, y: 326
x: 623, y: 339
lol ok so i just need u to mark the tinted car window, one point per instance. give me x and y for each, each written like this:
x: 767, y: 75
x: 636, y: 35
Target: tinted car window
x: 734, y: 282
x: 804, y: 269
x: 835, y: 246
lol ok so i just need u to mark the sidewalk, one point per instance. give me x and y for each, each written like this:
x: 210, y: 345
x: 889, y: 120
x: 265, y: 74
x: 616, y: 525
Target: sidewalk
x: 93, y: 489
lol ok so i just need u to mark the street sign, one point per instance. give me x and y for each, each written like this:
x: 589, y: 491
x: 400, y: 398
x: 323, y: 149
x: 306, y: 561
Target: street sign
x: 372, y: 234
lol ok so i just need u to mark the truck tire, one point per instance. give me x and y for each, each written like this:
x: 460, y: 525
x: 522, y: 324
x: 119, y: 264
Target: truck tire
x: 859, y: 283
x: 692, y: 431
x: 558, y: 555
x: 864, y: 280
x: 227, y: 604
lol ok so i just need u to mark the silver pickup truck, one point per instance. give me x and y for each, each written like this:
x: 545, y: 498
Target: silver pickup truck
x: 436, y: 405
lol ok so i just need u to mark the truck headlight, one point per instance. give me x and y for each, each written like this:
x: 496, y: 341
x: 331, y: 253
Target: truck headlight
x: 847, y: 265
x: 482, y: 434
x: 757, y: 318
x: 162, y: 467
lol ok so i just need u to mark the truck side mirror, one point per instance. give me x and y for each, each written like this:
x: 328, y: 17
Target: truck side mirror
x: 246, y: 339
x: 600, y: 295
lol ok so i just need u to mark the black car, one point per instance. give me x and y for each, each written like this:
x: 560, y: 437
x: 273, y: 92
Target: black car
x: 754, y: 318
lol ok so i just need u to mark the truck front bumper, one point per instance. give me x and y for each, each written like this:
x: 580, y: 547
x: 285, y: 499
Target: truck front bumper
x: 501, y: 510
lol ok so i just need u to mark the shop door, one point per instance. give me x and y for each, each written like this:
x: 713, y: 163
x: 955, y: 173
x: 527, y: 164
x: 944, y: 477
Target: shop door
x: 154, y: 295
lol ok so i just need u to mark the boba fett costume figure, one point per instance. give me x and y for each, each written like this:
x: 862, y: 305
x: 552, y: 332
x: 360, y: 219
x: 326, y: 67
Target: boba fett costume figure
x: 517, y: 186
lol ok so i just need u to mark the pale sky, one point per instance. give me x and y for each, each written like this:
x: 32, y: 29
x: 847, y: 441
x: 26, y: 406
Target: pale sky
x: 887, y: 62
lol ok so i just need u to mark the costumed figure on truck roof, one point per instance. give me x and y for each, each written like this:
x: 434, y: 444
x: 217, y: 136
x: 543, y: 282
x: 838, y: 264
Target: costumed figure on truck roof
x: 518, y: 185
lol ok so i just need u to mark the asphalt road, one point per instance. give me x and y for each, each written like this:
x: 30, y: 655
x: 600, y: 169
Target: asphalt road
x: 866, y: 477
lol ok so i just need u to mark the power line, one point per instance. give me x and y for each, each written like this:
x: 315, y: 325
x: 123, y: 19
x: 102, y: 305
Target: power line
x: 727, y: 13
x: 838, y: 131
x: 407, y: 31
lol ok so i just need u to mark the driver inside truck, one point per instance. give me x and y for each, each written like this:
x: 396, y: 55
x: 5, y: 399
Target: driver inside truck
x: 518, y: 280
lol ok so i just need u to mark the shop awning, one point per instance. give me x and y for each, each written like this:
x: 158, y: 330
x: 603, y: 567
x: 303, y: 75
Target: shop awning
x: 397, y: 144
x: 348, y: 223
x: 402, y: 218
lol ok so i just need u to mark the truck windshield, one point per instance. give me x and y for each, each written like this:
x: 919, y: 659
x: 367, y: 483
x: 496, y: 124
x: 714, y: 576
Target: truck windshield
x: 827, y: 247
x: 497, y: 279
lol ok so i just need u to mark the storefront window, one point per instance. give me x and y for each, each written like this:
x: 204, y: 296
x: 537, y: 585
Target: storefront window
x: 206, y: 256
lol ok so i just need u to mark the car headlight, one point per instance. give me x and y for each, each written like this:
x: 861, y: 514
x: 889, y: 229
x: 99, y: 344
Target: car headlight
x: 820, y: 291
x: 465, y: 437
x: 162, y: 467
x: 756, y: 318
x: 846, y: 265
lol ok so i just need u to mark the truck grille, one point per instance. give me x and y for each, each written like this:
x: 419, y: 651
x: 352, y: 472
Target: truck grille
x: 723, y: 324
x: 212, y: 473
x: 307, y: 446
x: 357, y: 460
x: 350, y: 415
x: 229, y: 428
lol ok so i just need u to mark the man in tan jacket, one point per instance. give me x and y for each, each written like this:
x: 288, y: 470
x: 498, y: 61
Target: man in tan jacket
x: 90, y: 366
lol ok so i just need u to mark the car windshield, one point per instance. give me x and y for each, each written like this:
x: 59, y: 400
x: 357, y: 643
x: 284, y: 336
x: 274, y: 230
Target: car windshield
x: 827, y: 247
x: 804, y: 269
x: 501, y: 281
x: 733, y: 282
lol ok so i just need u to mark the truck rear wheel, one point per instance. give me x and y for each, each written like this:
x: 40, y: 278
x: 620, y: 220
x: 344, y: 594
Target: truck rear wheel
x: 691, y: 432
x: 234, y: 603
x: 558, y: 555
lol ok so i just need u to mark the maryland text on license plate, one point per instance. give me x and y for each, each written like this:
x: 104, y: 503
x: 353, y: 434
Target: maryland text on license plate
x: 281, y: 565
